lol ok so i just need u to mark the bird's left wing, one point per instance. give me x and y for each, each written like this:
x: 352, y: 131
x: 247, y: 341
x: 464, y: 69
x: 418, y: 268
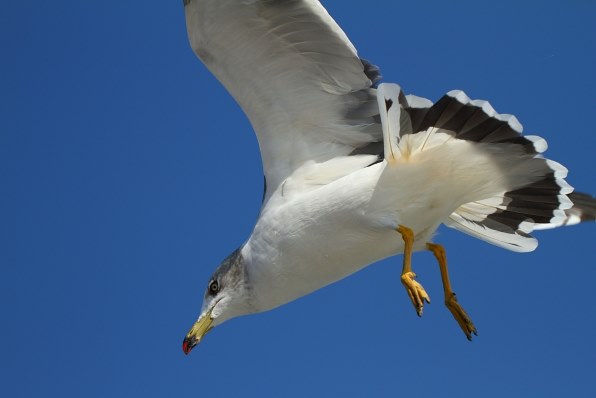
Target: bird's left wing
x: 307, y: 94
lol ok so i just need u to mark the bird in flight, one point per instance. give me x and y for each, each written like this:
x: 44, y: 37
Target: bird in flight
x: 357, y: 171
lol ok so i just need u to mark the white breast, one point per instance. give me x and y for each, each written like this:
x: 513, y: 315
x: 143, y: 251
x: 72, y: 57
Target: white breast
x: 315, y: 239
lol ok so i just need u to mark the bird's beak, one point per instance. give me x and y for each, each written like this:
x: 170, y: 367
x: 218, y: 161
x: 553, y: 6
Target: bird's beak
x: 198, y: 330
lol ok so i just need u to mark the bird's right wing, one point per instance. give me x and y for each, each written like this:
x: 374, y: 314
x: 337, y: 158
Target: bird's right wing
x: 307, y: 94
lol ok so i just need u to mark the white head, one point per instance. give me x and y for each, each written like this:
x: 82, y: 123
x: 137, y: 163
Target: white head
x: 227, y: 296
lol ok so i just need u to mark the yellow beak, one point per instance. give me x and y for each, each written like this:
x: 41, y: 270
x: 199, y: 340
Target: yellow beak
x: 198, y: 330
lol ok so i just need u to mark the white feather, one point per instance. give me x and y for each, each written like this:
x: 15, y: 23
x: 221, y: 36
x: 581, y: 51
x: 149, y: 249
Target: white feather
x: 292, y: 70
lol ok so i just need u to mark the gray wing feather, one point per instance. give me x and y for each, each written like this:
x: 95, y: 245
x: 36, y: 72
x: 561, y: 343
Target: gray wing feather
x: 307, y: 94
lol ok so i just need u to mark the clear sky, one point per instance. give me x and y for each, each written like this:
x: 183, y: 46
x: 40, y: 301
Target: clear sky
x: 127, y: 173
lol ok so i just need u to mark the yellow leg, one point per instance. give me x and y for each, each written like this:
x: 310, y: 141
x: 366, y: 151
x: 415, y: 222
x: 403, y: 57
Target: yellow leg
x: 464, y: 321
x: 415, y: 290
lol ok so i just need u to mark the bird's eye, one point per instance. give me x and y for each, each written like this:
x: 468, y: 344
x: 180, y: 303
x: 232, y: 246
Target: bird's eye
x: 213, y: 287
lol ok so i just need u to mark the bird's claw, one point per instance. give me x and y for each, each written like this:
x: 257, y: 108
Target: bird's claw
x: 415, y: 291
x: 460, y: 315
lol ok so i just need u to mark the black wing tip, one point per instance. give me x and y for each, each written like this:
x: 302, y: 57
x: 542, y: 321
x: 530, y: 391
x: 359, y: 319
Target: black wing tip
x: 372, y: 72
x: 584, y: 206
x: 474, y: 120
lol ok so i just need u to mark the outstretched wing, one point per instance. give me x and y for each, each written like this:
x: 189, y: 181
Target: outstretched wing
x: 528, y: 191
x: 307, y: 94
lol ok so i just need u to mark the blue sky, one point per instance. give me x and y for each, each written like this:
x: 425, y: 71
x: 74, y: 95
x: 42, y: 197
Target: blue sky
x: 119, y: 199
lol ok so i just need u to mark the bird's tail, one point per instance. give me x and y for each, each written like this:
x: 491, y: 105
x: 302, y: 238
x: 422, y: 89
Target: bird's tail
x: 518, y: 190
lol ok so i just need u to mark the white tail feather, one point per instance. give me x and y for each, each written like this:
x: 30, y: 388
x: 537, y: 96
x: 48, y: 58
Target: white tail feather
x: 390, y: 111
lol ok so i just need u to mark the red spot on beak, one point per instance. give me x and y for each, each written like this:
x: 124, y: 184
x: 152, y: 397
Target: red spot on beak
x: 186, y: 347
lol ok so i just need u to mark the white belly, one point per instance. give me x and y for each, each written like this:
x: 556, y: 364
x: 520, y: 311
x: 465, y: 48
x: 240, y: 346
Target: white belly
x: 315, y: 239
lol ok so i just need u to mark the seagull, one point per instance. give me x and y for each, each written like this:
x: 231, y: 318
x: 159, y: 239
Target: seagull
x: 355, y: 170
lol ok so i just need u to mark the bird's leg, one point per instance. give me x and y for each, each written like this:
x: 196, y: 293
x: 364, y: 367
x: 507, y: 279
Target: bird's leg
x: 415, y: 290
x: 460, y: 315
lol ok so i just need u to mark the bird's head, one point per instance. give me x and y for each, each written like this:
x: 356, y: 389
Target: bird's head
x: 227, y: 296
